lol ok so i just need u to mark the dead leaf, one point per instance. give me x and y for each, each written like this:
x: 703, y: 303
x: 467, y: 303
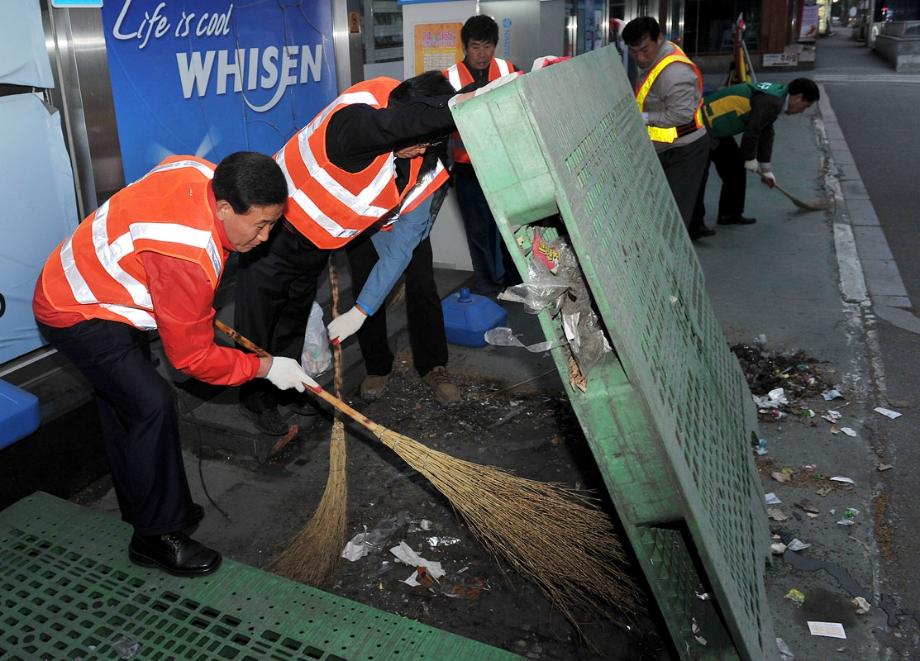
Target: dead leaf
x: 808, y: 506
x: 776, y: 514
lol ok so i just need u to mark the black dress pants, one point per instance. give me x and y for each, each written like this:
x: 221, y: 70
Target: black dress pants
x: 423, y: 309
x: 726, y: 156
x: 684, y: 167
x: 275, y: 288
x: 492, y: 266
x: 139, y: 419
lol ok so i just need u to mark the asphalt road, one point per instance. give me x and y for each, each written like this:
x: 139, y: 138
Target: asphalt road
x: 881, y: 123
x: 878, y: 113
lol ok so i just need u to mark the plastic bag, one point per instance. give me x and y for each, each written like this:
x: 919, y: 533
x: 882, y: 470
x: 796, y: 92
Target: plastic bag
x: 317, y: 356
x: 502, y: 336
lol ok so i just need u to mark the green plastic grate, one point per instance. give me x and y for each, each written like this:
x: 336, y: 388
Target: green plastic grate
x: 669, y: 416
x: 68, y: 591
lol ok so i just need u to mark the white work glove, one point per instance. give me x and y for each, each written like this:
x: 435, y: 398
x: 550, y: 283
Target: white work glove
x: 286, y: 373
x: 345, y: 325
x: 752, y: 165
x: 768, y: 178
x: 645, y: 118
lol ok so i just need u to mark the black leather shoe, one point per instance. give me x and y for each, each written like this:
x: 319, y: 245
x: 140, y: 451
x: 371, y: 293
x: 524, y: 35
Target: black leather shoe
x: 699, y: 231
x: 736, y: 220
x: 268, y: 421
x: 175, y: 553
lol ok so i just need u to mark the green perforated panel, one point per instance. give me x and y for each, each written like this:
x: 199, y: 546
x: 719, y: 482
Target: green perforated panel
x: 68, y: 591
x: 669, y: 415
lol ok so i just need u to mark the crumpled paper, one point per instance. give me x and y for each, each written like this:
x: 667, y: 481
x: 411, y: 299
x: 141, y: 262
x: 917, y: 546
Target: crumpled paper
x: 406, y: 555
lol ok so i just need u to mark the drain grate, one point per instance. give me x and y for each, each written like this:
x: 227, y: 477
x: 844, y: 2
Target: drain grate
x: 69, y: 592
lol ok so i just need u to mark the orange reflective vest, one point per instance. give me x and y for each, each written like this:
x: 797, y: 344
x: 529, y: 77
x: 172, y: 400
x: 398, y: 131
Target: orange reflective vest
x: 670, y: 133
x: 331, y: 206
x: 98, y: 273
x: 459, y: 77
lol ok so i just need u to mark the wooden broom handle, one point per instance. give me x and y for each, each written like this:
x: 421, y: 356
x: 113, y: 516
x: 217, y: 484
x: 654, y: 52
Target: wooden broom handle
x: 326, y: 396
x: 337, y: 349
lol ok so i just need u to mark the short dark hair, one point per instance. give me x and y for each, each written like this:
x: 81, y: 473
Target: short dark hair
x: 428, y: 84
x: 479, y: 28
x: 638, y: 28
x: 245, y: 179
x: 806, y: 87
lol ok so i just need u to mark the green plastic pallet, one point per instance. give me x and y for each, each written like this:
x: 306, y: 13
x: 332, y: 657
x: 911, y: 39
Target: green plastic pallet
x: 668, y: 415
x: 68, y: 591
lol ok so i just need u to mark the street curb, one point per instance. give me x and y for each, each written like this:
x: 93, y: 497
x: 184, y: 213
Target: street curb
x: 868, y: 271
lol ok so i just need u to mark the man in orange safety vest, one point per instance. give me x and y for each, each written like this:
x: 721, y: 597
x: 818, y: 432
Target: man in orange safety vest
x: 151, y: 258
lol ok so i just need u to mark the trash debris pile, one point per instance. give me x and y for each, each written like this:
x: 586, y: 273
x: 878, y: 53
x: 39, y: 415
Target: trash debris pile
x: 408, y: 552
x: 555, y: 283
x: 779, y: 382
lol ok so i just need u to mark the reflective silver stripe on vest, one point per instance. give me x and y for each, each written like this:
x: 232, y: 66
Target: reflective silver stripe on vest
x: 453, y: 77
x: 361, y: 203
x: 308, y: 207
x: 503, y: 67
x: 422, y: 185
x: 176, y: 233
x: 109, y: 254
x: 138, y: 318
x: 201, y: 167
x: 78, y: 286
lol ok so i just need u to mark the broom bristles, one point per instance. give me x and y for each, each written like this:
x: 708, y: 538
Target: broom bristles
x: 313, y: 554
x: 549, y: 533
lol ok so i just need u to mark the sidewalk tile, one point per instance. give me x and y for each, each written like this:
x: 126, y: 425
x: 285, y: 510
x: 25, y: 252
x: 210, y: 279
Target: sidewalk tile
x: 893, y: 301
x: 883, y: 278
x: 854, y: 189
x: 861, y: 212
x: 871, y: 243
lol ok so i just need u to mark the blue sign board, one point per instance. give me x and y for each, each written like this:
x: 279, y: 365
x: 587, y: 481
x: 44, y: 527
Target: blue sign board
x: 211, y: 77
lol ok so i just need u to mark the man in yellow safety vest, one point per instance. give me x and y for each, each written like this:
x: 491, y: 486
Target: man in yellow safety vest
x: 669, y: 92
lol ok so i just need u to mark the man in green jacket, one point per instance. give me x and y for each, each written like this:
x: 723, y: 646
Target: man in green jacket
x: 749, y: 109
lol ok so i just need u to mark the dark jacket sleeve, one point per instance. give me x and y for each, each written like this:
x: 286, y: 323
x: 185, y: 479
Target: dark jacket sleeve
x: 757, y: 139
x: 359, y: 133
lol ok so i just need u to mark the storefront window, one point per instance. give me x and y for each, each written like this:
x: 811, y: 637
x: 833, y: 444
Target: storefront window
x: 586, y: 25
x: 382, y: 33
x: 708, y: 24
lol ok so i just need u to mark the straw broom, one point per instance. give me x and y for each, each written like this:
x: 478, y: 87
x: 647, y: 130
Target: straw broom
x: 313, y: 554
x: 549, y: 533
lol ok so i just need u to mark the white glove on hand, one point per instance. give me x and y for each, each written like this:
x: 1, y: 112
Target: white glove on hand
x: 752, y: 165
x: 286, y: 373
x: 768, y: 178
x: 645, y: 118
x: 345, y: 325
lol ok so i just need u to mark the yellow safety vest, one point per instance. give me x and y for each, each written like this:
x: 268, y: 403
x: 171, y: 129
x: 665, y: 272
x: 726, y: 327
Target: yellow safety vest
x: 669, y: 134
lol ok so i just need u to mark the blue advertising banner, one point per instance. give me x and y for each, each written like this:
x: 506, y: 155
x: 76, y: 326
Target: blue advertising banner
x: 211, y: 77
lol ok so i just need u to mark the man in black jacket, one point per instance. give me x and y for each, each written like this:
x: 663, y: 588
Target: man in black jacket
x: 276, y: 284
